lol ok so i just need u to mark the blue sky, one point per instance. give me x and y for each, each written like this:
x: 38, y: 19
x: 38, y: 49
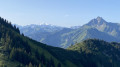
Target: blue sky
x: 59, y: 12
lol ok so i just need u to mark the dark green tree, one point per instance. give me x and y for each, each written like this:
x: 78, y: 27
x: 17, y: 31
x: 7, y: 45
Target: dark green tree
x: 58, y: 65
x: 30, y: 64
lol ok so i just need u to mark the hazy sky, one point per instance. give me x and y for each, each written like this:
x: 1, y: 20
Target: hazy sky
x: 59, y: 12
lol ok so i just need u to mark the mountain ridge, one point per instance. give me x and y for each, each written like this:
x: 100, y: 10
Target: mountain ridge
x: 63, y: 38
x: 17, y: 50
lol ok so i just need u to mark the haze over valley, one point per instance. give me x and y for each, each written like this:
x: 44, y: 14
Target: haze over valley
x: 57, y: 36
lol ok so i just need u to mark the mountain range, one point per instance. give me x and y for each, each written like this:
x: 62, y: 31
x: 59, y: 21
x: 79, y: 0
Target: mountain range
x: 17, y: 50
x: 63, y: 37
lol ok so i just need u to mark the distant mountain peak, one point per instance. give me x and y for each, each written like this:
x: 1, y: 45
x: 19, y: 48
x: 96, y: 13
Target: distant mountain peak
x: 97, y: 21
x: 44, y: 24
x: 99, y: 17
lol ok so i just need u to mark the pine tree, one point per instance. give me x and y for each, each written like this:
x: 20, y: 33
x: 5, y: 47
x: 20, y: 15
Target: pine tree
x: 52, y: 62
x: 30, y: 64
x: 39, y: 65
x: 12, y: 54
x: 59, y: 65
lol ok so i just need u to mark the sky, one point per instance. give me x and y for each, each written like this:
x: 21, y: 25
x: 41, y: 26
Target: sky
x: 59, y: 12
